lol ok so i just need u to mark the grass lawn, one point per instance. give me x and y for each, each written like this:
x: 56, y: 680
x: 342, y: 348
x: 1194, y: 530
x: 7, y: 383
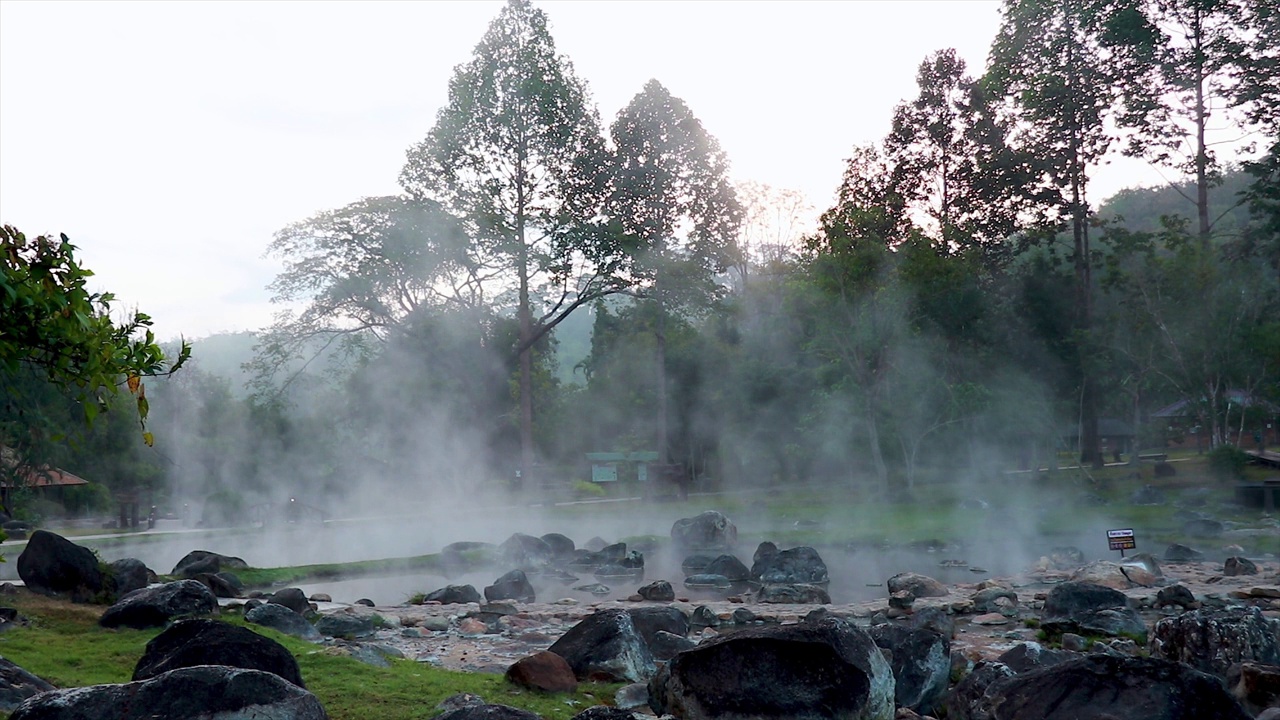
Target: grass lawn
x: 65, y: 646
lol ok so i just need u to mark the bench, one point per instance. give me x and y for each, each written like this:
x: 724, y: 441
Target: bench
x: 1154, y: 457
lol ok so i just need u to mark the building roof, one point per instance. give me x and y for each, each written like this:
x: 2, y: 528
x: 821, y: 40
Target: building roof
x: 1182, y: 408
x: 43, y: 476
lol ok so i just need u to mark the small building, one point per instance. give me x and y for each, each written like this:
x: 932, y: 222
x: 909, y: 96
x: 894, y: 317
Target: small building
x: 1114, y: 436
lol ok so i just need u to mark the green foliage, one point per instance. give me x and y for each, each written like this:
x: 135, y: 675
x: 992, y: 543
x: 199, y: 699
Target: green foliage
x: 53, y: 322
x: 1228, y: 462
x: 64, y: 645
x: 584, y: 488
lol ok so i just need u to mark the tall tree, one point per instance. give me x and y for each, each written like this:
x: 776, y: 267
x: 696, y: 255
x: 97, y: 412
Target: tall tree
x: 672, y: 196
x: 517, y: 154
x: 1068, y: 70
x: 1200, y: 59
x: 361, y: 271
x: 960, y: 180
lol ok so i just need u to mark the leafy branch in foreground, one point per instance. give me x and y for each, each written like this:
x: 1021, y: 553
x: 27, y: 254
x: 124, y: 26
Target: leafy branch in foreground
x: 55, y: 326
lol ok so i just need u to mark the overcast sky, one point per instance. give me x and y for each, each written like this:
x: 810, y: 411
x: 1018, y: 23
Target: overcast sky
x: 171, y: 140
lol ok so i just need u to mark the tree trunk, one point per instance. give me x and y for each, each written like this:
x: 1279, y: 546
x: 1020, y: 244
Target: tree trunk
x: 661, y: 360
x: 1202, y: 153
x: 526, y: 334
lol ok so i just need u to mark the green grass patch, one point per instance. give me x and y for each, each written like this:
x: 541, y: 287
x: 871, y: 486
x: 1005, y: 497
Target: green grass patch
x: 269, y: 577
x: 65, y: 645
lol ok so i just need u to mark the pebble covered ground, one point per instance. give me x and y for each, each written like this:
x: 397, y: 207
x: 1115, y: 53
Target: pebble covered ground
x: 458, y: 637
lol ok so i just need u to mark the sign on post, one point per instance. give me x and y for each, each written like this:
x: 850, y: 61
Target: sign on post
x: 1121, y: 540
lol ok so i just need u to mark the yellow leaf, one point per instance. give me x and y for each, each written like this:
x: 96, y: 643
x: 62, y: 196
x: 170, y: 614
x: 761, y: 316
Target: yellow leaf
x: 135, y: 382
x: 149, y: 439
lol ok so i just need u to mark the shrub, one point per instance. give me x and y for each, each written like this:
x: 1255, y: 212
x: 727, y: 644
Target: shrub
x: 583, y: 488
x: 1227, y: 462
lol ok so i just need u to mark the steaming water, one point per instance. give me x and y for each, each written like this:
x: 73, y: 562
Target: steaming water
x: 857, y: 573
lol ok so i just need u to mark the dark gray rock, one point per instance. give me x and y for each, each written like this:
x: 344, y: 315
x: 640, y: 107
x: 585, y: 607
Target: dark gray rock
x: 1031, y: 655
x: 696, y: 564
x: 206, y: 692
x: 203, y: 561
x: 606, y: 712
x: 935, y: 619
x: 798, y: 594
x: 345, y: 625
x: 1176, y: 595
x: 1111, y: 686
x: 704, y: 616
x: 511, y: 586
x: 1235, y: 566
x: 707, y: 581
x: 657, y: 591
x: 53, y: 565
x: 665, y: 645
x: 1088, y: 609
x: 279, y: 617
x: 525, y: 551
x: 1212, y: 641
x: 828, y: 669
x: 217, y: 585
x: 649, y: 621
x: 987, y: 600
x: 454, y: 595
x: 188, y: 643
x: 488, y: 711
x: 292, y: 598
x: 730, y: 567
x: 562, y: 546
x: 16, y: 685
x: 468, y: 554
x: 795, y: 565
x: 1181, y: 553
x: 710, y: 530
x: 921, y: 664
x: 606, y: 645
x: 765, y: 551
x: 968, y: 700
x: 126, y: 575
x: 156, y: 606
x: 916, y: 584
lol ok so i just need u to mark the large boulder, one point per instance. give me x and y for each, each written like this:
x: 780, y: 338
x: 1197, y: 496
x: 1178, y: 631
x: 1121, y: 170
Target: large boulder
x: 562, y: 546
x: 1088, y: 609
x: 543, y: 671
x: 1031, y: 655
x: 16, y: 685
x: 1256, y: 686
x: 606, y: 645
x: 968, y: 700
x: 796, y: 565
x: 126, y: 575
x: 188, y: 643
x: 657, y: 591
x: 793, y: 594
x: 1101, y: 687
x: 156, y: 606
x: 916, y: 584
x: 347, y: 625
x: 281, y: 618
x: 488, y: 711
x: 710, y: 530
x: 511, y: 586
x: 921, y: 664
x: 203, y: 561
x: 827, y: 669
x: 53, y: 565
x: 649, y: 621
x: 207, y: 692
x: 526, y: 551
x: 454, y: 595
x: 293, y: 598
x: 730, y: 567
x: 1212, y: 641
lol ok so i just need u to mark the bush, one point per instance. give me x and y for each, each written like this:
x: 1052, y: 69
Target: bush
x: 583, y: 488
x: 88, y: 499
x: 1227, y: 462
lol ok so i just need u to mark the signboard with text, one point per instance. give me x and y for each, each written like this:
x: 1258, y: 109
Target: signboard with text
x: 1121, y: 539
